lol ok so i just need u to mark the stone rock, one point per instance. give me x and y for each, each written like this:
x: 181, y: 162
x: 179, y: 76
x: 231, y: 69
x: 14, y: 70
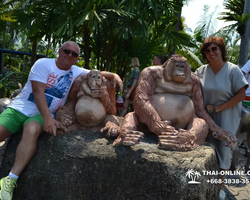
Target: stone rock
x: 84, y: 165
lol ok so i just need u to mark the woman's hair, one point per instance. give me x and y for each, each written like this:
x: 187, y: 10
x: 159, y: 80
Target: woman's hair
x: 219, y: 41
x: 135, y: 62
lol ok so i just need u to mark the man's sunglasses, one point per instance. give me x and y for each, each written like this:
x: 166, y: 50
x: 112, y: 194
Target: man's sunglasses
x: 67, y: 51
x: 212, y: 49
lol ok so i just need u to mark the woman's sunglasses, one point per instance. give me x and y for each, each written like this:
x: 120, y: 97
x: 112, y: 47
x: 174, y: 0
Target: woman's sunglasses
x: 212, y: 49
x: 67, y: 51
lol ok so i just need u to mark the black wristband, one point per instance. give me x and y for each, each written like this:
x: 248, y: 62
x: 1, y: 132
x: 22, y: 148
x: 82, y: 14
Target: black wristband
x: 214, y: 108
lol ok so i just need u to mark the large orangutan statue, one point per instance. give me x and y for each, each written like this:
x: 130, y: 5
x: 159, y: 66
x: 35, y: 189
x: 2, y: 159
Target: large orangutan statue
x: 169, y: 101
x: 94, y: 108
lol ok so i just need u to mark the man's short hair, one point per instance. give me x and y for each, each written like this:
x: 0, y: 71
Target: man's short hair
x: 161, y: 58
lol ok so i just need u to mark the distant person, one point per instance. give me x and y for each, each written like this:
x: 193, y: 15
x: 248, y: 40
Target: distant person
x: 119, y: 105
x: 246, y: 71
x: 158, y: 60
x: 131, y: 85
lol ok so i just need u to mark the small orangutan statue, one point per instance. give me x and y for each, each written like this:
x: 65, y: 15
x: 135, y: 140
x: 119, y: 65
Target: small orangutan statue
x: 91, y: 106
x: 169, y: 102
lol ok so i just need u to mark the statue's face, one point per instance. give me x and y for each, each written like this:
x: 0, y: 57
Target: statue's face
x: 95, y: 79
x: 178, y: 74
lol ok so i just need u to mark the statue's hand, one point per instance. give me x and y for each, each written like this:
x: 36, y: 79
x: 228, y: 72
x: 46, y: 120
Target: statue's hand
x: 164, y: 126
x: 100, y: 93
x: 226, y: 136
x: 61, y: 129
x: 65, y: 116
x: 129, y: 138
x: 180, y: 141
x: 111, y: 129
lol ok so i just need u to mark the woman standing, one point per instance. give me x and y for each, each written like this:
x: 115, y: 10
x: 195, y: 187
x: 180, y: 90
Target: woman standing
x: 223, y: 87
x: 131, y: 85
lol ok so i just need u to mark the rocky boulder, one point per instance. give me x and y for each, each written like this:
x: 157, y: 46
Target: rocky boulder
x: 84, y: 165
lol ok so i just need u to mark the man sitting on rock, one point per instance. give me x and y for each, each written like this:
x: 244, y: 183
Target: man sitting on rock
x: 46, y: 90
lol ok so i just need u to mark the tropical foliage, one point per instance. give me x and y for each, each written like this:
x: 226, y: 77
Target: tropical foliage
x: 238, y: 13
x: 235, y: 14
x: 232, y: 33
x: 109, y: 32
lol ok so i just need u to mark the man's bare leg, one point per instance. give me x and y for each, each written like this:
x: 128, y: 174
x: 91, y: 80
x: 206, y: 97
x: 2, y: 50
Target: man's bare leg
x: 27, y: 146
x: 4, y: 133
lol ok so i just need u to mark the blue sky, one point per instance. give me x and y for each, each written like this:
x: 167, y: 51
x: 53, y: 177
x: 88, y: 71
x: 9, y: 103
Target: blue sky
x: 194, y: 10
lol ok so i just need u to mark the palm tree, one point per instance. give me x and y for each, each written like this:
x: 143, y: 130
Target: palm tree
x: 235, y: 14
x: 232, y: 41
x: 245, y: 39
x: 238, y: 12
x: 206, y: 27
x: 109, y: 32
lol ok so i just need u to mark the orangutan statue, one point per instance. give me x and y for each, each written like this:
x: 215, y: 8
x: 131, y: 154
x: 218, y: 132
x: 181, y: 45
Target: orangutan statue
x: 94, y: 108
x: 169, y: 102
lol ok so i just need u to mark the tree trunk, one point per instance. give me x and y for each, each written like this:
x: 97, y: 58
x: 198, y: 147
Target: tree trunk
x: 33, y: 53
x: 108, y: 55
x: 86, y: 45
x: 245, y: 39
x: 25, y: 58
x: 48, y: 46
x: 178, y: 24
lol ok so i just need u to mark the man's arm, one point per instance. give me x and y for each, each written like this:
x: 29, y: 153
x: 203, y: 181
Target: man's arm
x: 50, y: 124
x: 72, y: 98
x: 115, y: 78
x: 66, y: 114
x: 246, y: 68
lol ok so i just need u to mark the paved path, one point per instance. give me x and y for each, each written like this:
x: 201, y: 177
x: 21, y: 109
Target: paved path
x: 238, y: 191
x: 233, y: 191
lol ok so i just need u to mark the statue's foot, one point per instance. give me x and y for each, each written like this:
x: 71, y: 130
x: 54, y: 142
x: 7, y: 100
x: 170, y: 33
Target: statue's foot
x: 72, y: 128
x: 181, y: 141
x: 129, y: 139
x: 111, y: 130
x: 60, y: 132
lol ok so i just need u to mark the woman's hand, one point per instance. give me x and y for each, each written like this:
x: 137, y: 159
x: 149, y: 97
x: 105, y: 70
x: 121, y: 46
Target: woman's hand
x: 211, y: 108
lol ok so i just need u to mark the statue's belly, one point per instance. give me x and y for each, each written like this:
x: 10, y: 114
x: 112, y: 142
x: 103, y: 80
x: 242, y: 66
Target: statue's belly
x: 89, y: 111
x: 176, y: 107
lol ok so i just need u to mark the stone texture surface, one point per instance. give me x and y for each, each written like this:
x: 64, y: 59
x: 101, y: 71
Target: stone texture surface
x: 85, y: 165
x: 239, y: 191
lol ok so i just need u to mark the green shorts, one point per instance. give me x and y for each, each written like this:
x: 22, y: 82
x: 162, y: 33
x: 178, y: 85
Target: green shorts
x: 14, y: 120
x: 246, y: 103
